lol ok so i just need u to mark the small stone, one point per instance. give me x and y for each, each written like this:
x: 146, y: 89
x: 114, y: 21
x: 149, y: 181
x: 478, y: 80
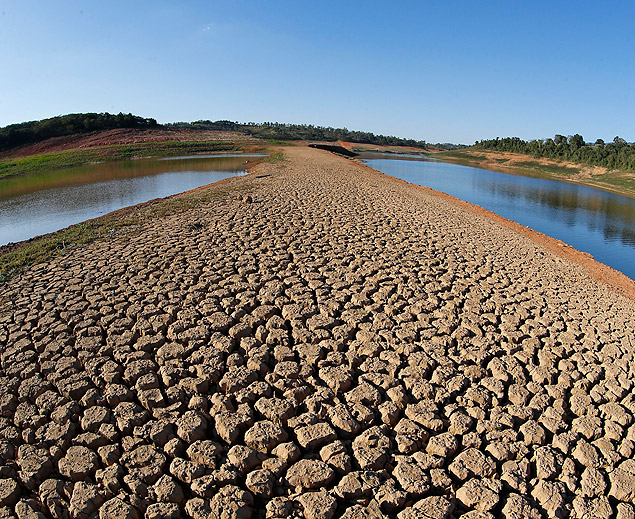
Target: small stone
x: 9, y: 492
x: 265, y: 435
x: 533, y: 433
x: 482, y: 494
x: 371, y: 449
x: 518, y: 507
x: 551, y: 495
x: 260, y: 482
x: 232, y: 502
x: 317, y: 505
x: 411, y: 476
x: 163, y: 511
x: 315, y: 435
x: 310, y: 474
x: 191, y: 426
x: 117, y: 508
x: 204, y: 452
x: 78, y: 464
x: 433, y: 507
x: 623, y: 481
x: 442, y: 445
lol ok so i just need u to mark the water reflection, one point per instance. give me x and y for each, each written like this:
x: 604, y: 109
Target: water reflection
x: 589, y: 219
x: 41, y: 203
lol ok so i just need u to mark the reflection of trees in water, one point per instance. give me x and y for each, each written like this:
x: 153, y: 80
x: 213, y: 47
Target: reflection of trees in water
x: 612, y: 215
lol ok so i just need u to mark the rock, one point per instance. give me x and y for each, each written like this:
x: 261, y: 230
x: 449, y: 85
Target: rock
x: 433, y: 507
x: 442, y: 445
x: 625, y: 511
x: 622, y: 480
x: 244, y: 458
x: 232, y: 502
x: 389, y: 497
x: 278, y: 507
x: 338, y: 378
x: 592, y: 483
x: 229, y: 424
x: 342, y: 419
x: 533, y: 433
x: 599, y: 508
x: 315, y: 435
x: 551, y: 496
x: 309, y: 474
x: 117, y: 508
x: 317, y: 505
x: 9, y: 492
x: 411, y: 476
x: 191, y: 426
x: 198, y: 508
x: 35, y: 465
x: 548, y: 463
x: 85, y: 499
x: 518, y: 507
x: 472, y: 462
x: 275, y: 409
x: 166, y: 490
x: 28, y: 509
x: 260, y: 482
x: 264, y: 436
x: 185, y: 470
x: 163, y: 511
x: 145, y: 462
x: 482, y: 494
x: 204, y: 452
x: 94, y: 417
x: 287, y: 452
x: 371, y: 449
x: 358, y: 484
x: 586, y: 454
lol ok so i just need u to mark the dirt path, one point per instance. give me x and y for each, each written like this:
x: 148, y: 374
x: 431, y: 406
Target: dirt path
x: 339, y: 344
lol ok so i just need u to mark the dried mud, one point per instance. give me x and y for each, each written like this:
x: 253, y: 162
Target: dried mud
x: 333, y: 343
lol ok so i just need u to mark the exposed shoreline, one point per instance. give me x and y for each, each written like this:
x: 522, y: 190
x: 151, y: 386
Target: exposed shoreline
x: 316, y: 339
x: 595, y: 269
x: 582, y: 175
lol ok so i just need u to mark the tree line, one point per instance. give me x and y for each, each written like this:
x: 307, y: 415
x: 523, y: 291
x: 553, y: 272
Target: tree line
x: 617, y: 154
x: 30, y: 132
x: 308, y: 132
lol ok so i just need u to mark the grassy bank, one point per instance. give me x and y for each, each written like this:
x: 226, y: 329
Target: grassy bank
x: 65, y: 159
x: 615, y: 181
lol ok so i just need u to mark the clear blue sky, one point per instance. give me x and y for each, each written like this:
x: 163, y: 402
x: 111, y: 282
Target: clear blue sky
x: 440, y: 71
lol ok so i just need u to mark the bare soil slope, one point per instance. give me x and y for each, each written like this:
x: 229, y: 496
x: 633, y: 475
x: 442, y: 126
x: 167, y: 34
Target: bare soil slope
x: 121, y: 136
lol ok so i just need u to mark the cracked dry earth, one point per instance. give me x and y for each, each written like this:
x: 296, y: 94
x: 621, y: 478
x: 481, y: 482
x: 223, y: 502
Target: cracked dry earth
x: 335, y: 344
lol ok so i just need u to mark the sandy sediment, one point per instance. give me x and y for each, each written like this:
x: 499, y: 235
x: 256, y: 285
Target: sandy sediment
x: 335, y: 343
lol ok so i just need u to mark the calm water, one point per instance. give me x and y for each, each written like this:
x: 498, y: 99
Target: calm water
x: 591, y: 220
x: 46, y: 202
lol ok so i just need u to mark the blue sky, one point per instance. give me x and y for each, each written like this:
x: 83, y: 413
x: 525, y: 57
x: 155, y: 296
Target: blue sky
x: 440, y: 71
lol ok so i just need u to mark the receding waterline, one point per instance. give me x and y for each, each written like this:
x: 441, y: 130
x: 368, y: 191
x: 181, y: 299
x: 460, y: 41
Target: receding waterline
x: 46, y: 202
x: 588, y: 219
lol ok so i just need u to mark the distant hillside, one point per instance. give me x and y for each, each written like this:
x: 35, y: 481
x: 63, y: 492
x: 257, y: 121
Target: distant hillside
x: 612, y: 155
x: 30, y: 132
x: 16, y: 135
x: 309, y: 132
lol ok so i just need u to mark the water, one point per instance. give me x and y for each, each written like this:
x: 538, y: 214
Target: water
x: 40, y: 203
x: 588, y: 219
